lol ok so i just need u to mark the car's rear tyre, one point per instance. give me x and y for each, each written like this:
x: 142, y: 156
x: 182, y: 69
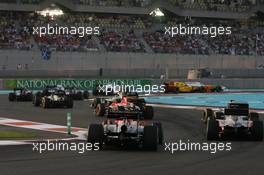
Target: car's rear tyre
x: 29, y: 97
x: 69, y: 102
x: 79, y: 96
x: 257, y: 131
x: 85, y: 94
x: 207, y: 113
x: 150, y: 138
x: 218, y: 89
x: 100, y: 110
x: 212, y: 132
x: 201, y: 90
x: 254, y: 116
x: 160, y: 132
x: 96, y: 134
x: 96, y: 101
x: 36, y: 99
x: 11, y: 97
x: 44, y: 103
x: 148, y: 113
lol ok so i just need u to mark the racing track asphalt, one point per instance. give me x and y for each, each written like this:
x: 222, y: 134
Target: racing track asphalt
x: 245, y: 158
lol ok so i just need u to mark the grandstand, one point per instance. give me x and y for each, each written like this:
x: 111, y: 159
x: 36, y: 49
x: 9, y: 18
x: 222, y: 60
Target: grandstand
x: 128, y: 30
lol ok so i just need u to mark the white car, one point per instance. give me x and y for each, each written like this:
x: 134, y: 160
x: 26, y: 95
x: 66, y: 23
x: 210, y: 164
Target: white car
x: 235, y: 119
x: 123, y: 131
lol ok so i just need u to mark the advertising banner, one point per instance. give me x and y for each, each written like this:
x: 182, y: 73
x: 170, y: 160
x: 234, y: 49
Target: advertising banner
x: 38, y: 84
x: 1, y: 84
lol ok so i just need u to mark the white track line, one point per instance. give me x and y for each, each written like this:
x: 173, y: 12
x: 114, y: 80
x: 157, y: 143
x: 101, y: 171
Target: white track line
x: 79, y: 132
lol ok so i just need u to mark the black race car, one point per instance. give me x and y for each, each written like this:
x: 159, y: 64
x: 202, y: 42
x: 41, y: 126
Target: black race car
x: 77, y: 94
x: 234, y: 120
x: 55, y: 98
x: 20, y: 94
x: 37, y: 96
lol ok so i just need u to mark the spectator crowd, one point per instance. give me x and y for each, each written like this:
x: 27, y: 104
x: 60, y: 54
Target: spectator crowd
x: 122, y: 33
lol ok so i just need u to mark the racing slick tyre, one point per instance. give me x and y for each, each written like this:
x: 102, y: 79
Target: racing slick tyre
x: 79, y: 96
x: 96, y: 134
x: 29, y: 97
x: 207, y: 113
x: 148, y: 113
x: 85, y: 94
x: 257, y: 131
x: 95, y: 92
x: 100, y: 110
x: 160, y: 132
x: 254, y: 116
x: 150, y: 138
x: 201, y: 90
x: 36, y: 99
x: 211, y: 129
x: 11, y: 97
x: 218, y: 89
x: 96, y: 101
x: 69, y: 102
x: 44, y: 103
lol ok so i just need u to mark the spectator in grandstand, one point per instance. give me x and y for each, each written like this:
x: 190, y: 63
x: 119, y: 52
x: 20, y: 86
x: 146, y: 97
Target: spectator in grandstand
x: 13, y: 35
x: 19, y: 67
x: 121, y: 41
x: 187, y: 44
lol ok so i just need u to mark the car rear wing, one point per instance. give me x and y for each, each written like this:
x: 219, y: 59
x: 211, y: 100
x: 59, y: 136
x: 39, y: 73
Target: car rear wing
x: 230, y: 111
x: 238, y: 106
x: 121, y: 114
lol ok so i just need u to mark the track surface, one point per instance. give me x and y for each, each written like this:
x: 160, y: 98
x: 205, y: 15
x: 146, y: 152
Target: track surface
x: 245, y: 157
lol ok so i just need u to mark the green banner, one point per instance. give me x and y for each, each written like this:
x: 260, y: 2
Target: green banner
x: 9, y: 84
x: 1, y: 84
x: 38, y: 84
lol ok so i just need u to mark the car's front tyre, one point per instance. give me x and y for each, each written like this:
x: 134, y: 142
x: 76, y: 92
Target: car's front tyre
x: 212, y: 132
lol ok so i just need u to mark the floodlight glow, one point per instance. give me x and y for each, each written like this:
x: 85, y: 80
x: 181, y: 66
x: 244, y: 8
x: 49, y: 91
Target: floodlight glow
x: 51, y: 12
x: 157, y: 12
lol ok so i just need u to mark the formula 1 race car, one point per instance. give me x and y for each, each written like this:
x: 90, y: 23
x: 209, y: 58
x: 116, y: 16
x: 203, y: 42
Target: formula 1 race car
x: 235, y: 119
x: 190, y: 87
x: 20, y: 94
x: 206, y: 87
x: 52, y: 96
x: 126, y: 130
x: 76, y: 94
x: 125, y: 104
x: 37, y: 96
